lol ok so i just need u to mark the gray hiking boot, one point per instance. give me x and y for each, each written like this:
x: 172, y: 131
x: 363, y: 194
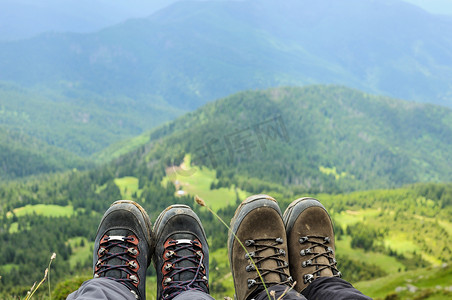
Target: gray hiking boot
x: 258, y: 224
x: 181, y: 256
x: 123, y: 246
x: 310, y: 239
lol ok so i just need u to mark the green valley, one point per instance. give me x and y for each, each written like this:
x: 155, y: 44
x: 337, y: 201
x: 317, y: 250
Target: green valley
x: 373, y: 172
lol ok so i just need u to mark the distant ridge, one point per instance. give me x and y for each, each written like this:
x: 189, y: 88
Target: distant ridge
x: 193, y: 52
x: 22, y: 155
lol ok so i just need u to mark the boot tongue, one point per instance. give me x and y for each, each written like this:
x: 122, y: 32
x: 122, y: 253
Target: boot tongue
x: 269, y: 264
x: 322, y: 259
x: 184, y: 240
x: 117, y: 273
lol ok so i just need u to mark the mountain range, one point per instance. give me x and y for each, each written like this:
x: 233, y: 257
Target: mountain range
x: 21, y: 19
x: 84, y: 92
x: 193, y: 52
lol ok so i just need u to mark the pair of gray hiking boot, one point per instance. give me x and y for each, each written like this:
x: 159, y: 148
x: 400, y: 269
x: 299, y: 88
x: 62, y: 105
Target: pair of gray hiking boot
x: 126, y: 243
x: 265, y: 248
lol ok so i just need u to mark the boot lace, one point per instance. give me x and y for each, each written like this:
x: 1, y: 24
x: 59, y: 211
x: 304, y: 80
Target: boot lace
x: 260, y: 245
x: 128, y: 257
x: 194, y: 255
x: 328, y: 252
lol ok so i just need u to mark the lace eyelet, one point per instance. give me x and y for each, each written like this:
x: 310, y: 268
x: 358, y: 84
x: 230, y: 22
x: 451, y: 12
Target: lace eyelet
x: 308, y: 278
x: 305, y: 252
x: 250, y: 268
x: 169, y: 254
x: 134, y: 279
x: 249, y: 243
x: 133, y: 264
x: 101, y: 251
x: 303, y: 239
x: 306, y: 263
x: 251, y: 283
x: 132, y: 251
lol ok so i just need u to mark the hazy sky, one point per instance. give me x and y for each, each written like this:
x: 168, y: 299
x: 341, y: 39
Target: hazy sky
x: 434, y: 6
x: 26, y: 18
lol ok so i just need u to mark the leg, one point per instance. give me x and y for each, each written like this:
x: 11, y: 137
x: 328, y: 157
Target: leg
x: 122, y: 251
x: 101, y: 289
x: 181, y: 255
x: 311, y: 252
x: 258, y: 224
x: 192, y: 294
x: 281, y: 292
x: 332, y: 288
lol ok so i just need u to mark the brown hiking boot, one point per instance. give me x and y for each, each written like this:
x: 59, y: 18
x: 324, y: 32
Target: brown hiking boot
x: 310, y: 239
x: 258, y: 224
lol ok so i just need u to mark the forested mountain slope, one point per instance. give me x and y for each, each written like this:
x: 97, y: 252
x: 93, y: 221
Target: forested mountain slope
x: 44, y: 130
x: 314, y: 139
x: 22, y: 155
x: 78, y: 121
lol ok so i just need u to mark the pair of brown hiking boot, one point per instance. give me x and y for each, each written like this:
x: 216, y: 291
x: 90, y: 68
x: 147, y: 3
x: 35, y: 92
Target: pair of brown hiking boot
x: 266, y: 248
